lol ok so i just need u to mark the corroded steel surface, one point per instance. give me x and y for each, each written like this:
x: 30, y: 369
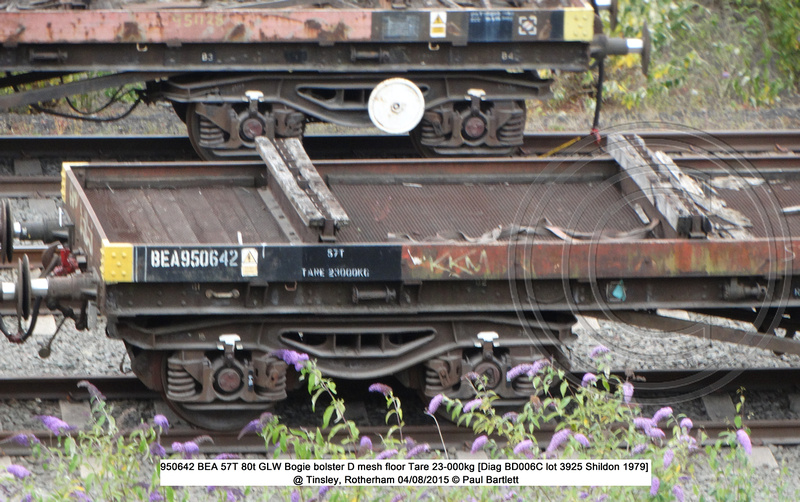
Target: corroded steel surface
x: 190, y: 26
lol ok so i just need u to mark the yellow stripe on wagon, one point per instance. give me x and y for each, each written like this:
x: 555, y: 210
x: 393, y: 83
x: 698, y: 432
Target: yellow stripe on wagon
x: 116, y: 262
x: 578, y: 24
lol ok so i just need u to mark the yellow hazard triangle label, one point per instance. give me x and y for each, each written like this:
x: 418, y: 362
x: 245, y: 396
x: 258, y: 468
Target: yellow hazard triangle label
x: 249, y: 262
x: 438, y: 24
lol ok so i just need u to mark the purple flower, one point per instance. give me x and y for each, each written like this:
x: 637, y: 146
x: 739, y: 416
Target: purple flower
x: 382, y: 388
x: 22, y: 439
x: 323, y: 490
x: 678, y: 492
x: 386, y: 454
x: 662, y: 414
x: 656, y: 433
x: 523, y: 446
x: 157, y: 450
x: 627, y: 392
x: 511, y: 416
x: 479, y: 443
x: 471, y: 376
x: 93, y: 391
x: 668, y: 456
x: 472, y: 405
x: 598, y: 351
x: 687, y: 424
x: 233, y: 494
x: 161, y: 421
x: 436, y: 401
x: 27, y: 498
x: 156, y: 497
x: 18, y: 471
x: 190, y: 449
x: 602, y: 498
x: 55, y: 424
x: 744, y: 440
x: 643, y: 423
x: 292, y: 358
x: 518, y: 371
x: 366, y: 443
x: 588, y: 378
x: 295, y: 496
x: 398, y: 498
x: 557, y: 440
x: 582, y: 440
x: 257, y: 425
x: 538, y: 366
x: 420, y: 448
x: 655, y: 483
x: 79, y: 495
x: 726, y: 74
x: 583, y: 495
x: 226, y: 456
x: 639, y: 448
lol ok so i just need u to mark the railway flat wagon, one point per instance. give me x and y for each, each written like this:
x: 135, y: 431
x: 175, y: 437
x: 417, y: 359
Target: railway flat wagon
x: 454, y: 75
x: 422, y: 270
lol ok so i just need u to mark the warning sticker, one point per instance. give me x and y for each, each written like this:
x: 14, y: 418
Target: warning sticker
x: 438, y: 24
x: 249, y: 262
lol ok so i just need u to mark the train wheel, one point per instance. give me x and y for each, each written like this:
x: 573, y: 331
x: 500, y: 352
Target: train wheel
x: 206, y: 136
x: 216, y: 416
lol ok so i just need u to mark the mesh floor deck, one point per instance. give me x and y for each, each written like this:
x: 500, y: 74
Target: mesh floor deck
x: 202, y: 215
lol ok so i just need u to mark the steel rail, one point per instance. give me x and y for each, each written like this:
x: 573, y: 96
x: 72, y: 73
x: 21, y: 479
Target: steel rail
x: 364, y: 145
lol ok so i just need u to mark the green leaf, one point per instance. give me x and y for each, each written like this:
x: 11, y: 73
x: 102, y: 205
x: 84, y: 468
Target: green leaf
x: 326, y: 417
x: 564, y: 386
x: 737, y: 420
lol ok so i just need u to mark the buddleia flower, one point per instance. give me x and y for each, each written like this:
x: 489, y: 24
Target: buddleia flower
x: 156, y: 497
x: 471, y: 405
x: 582, y: 440
x: 161, y: 421
x: 381, y: 388
x: 598, y: 351
x: 662, y: 414
x: 386, y: 454
x: 18, y: 471
x: 655, y: 483
x: 93, y: 391
x: 643, y: 423
x: 627, y: 392
x: 656, y: 433
x: 479, y: 443
x: 668, y: 456
x: 588, y: 378
x: 323, y: 490
x: 557, y: 440
x: 157, y: 450
x: 22, y: 439
x: 687, y: 424
x: 677, y: 490
x: 518, y: 371
x: 511, y: 416
x: 421, y: 448
x: 523, y: 446
x: 295, y: 496
x: 366, y: 443
x: 436, y: 401
x: 292, y: 358
x: 55, y: 424
x: 227, y: 456
x: 639, y: 448
x: 744, y: 440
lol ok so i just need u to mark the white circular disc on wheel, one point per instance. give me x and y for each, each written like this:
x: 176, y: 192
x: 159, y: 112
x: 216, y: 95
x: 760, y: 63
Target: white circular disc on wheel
x: 396, y: 106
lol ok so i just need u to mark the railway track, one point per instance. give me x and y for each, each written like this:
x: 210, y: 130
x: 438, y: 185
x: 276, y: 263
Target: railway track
x: 381, y: 146
x: 763, y: 431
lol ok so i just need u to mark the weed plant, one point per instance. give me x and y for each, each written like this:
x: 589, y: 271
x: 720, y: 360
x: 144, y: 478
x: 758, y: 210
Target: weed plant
x: 596, y: 420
